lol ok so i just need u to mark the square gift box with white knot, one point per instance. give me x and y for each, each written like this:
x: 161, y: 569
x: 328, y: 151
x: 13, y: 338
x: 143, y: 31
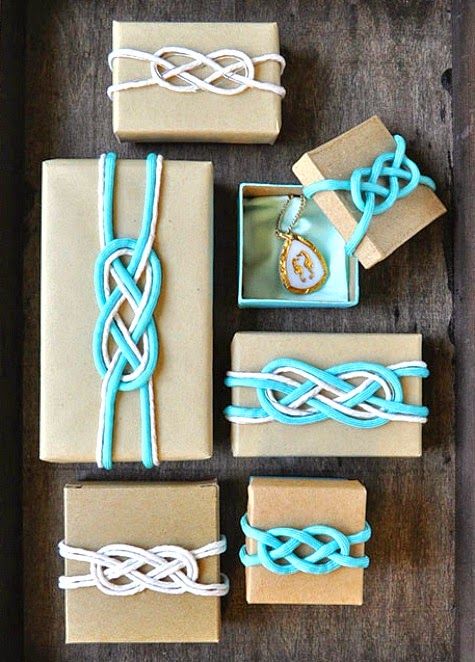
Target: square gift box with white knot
x: 196, y: 82
x: 142, y: 562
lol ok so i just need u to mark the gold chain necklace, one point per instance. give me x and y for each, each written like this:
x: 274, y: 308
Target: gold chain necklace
x: 302, y: 268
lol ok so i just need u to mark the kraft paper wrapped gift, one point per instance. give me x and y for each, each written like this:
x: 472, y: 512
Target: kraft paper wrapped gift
x: 300, y: 503
x: 143, y: 515
x: 251, y: 351
x: 155, y: 113
x: 70, y: 384
x: 337, y: 159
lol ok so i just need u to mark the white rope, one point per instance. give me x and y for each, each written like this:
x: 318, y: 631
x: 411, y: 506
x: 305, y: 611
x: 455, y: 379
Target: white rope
x: 125, y: 298
x: 164, y: 569
x: 364, y: 411
x: 240, y: 70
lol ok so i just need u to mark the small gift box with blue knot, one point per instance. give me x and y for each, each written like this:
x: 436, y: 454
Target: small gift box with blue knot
x: 365, y: 197
x: 324, y: 394
x: 305, y: 541
x: 142, y: 562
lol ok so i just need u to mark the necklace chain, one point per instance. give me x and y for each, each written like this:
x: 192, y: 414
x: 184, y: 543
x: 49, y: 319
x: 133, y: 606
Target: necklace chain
x: 278, y: 229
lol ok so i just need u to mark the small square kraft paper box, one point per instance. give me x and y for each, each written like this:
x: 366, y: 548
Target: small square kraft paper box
x: 71, y: 398
x: 364, y: 197
x: 323, y: 369
x: 298, y: 503
x: 116, y: 520
x: 206, y: 82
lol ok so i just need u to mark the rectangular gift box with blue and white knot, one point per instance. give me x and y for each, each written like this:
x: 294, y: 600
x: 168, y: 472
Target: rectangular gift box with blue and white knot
x: 71, y: 385
x: 365, y: 197
x: 301, y: 394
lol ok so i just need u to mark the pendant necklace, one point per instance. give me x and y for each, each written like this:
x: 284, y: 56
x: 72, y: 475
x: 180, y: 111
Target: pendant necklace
x: 302, y: 268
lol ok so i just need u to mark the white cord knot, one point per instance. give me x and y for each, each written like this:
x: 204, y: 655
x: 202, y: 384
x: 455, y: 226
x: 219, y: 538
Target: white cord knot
x: 227, y: 65
x: 164, y: 569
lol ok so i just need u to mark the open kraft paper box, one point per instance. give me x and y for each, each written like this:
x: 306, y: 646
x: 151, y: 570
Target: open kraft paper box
x: 144, y: 515
x: 156, y: 114
x: 251, y: 351
x: 298, y: 503
x: 332, y: 223
x: 70, y: 384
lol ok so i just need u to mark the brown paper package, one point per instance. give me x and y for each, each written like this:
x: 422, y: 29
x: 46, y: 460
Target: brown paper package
x: 157, y: 114
x: 298, y: 503
x: 336, y: 159
x: 70, y: 384
x: 250, y: 351
x: 145, y: 515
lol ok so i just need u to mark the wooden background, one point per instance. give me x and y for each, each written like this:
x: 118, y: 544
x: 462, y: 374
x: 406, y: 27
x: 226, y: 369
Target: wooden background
x: 346, y: 61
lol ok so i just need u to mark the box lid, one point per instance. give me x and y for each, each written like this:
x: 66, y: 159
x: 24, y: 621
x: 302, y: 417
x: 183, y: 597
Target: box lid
x: 337, y: 159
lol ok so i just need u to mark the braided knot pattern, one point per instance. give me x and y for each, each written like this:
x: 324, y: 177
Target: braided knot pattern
x: 276, y: 549
x: 123, y: 570
x: 128, y: 276
x: 225, y: 65
x: 294, y: 392
x: 375, y: 189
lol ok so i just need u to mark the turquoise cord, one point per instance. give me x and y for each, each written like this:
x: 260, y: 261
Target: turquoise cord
x: 279, y: 556
x: 146, y: 324
x: 364, y: 187
x: 321, y: 411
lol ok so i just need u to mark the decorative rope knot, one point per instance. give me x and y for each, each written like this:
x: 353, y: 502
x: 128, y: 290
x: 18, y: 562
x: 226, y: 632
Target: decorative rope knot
x: 226, y: 65
x: 276, y: 549
x: 369, y: 194
x: 127, y: 274
x: 124, y: 570
x: 294, y: 392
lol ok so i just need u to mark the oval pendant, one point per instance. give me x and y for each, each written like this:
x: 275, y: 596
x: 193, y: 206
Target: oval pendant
x: 302, y: 267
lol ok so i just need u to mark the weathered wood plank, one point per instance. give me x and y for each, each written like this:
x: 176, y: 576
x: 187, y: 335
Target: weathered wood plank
x: 345, y: 62
x: 11, y: 214
x: 464, y: 308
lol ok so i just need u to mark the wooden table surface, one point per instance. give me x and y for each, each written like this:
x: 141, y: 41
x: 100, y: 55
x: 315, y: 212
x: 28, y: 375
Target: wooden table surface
x: 346, y: 61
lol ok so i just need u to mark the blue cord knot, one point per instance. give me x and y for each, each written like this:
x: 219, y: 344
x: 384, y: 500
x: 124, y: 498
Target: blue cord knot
x: 127, y: 273
x: 295, y: 392
x: 371, y: 196
x: 277, y: 547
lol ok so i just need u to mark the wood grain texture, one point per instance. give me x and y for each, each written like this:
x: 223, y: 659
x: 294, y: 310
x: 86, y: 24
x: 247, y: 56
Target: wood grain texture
x: 11, y: 212
x: 346, y: 61
x: 464, y: 298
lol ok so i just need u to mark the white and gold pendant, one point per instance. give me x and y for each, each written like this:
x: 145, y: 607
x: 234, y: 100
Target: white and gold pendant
x: 302, y: 268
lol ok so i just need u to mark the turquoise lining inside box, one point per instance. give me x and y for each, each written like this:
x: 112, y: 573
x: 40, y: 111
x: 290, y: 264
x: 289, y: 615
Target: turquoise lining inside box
x: 259, y: 248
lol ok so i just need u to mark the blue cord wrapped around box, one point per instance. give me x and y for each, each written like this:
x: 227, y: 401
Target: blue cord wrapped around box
x: 276, y: 549
x: 309, y: 394
x: 365, y: 187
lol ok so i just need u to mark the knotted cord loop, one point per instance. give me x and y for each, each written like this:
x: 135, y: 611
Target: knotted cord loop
x: 226, y: 64
x: 366, y: 188
x: 277, y: 547
x: 127, y: 273
x: 164, y: 569
x: 294, y: 392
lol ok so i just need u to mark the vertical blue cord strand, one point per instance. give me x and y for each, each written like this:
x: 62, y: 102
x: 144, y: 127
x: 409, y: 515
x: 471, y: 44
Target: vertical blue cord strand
x: 146, y: 323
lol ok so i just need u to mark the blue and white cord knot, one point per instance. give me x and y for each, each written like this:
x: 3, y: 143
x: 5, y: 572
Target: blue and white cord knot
x: 127, y: 275
x: 294, y: 392
x: 276, y: 549
x: 369, y: 194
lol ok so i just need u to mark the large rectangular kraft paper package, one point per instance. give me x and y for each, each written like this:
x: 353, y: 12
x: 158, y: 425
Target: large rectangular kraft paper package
x: 70, y: 384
